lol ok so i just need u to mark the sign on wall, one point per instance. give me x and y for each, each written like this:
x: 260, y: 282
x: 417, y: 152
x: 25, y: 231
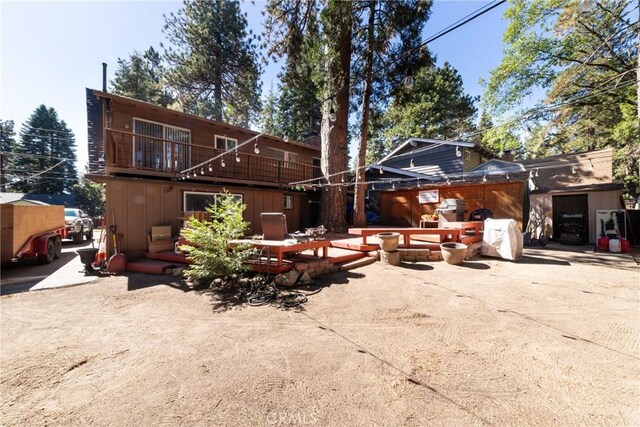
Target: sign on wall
x: 428, y: 196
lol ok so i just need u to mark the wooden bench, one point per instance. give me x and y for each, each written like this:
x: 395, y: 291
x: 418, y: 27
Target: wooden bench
x: 470, y: 231
x: 444, y: 234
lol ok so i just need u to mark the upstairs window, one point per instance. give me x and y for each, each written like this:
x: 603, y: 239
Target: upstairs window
x: 224, y: 143
x: 286, y: 156
x: 159, y: 146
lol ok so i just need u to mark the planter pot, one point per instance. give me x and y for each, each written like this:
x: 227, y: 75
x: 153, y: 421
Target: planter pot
x: 87, y: 256
x: 453, y: 253
x: 389, y: 241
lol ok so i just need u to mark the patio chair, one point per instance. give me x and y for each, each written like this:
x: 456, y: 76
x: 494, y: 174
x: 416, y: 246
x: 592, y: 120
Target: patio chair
x: 274, y: 225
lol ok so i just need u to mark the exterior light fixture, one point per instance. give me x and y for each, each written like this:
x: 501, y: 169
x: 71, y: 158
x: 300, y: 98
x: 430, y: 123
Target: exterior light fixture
x: 408, y: 80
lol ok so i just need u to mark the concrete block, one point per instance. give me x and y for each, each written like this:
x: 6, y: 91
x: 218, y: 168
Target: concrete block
x: 390, y: 258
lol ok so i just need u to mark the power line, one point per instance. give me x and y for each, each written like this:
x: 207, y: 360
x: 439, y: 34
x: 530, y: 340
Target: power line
x: 38, y: 156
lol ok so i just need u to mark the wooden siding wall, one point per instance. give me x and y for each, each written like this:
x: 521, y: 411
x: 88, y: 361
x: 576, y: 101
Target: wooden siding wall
x: 435, y: 161
x: 474, y: 159
x: 202, y: 133
x: 505, y: 200
x: 542, y: 206
x: 135, y: 207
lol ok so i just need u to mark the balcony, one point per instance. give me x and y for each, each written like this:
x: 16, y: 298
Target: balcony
x: 134, y: 154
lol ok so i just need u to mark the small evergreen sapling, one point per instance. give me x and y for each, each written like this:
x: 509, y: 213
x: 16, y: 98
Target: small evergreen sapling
x: 209, y: 248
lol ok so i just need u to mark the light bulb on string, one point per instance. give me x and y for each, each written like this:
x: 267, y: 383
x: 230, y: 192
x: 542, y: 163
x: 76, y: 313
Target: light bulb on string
x: 373, y: 186
x: 381, y: 171
x: 411, y: 164
x: 210, y: 167
x: 484, y: 178
x: 285, y: 137
x: 408, y: 80
x: 188, y: 176
x: 448, y: 182
x: 393, y: 186
x: 340, y: 189
x: 222, y: 163
x: 458, y: 152
x: 201, y: 171
x: 332, y: 114
x: 237, y: 158
x: 537, y: 173
x: 531, y: 174
x: 507, y: 175
x: 256, y: 149
x: 342, y: 178
x: 573, y: 169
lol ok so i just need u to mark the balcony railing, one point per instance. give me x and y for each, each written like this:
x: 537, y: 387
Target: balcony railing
x: 126, y: 150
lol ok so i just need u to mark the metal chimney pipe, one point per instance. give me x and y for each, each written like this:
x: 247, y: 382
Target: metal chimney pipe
x: 104, y: 76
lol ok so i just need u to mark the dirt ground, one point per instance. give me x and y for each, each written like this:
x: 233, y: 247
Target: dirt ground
x: 550, y: 340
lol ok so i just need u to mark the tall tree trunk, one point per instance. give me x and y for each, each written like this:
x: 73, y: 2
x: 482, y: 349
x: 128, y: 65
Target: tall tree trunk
x: 359, y: 214
x: 334, y: 136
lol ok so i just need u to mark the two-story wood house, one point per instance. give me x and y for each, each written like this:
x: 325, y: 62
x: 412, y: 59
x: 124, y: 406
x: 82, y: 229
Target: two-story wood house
x: 146, y: 157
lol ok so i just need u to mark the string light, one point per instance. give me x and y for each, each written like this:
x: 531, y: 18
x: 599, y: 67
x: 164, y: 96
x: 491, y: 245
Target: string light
x: 201, y: 171
x: 210, y: 167
x: 537, y: 172
x: 285, y: 137
x: 507, y: 175
x: 458, y: 152
x: 332, y: 114
x: 411, y: 164
x: 237, y: 157
x: 381, y: 171
x: 393, y: 186
x: 573, y: 169
x: 484, y: 178
x: 373, y: 186
x: 222, y: 163
x: 256, y: 149
x: 531, y: 174
x: 448, y: 182
x: 408, y: 80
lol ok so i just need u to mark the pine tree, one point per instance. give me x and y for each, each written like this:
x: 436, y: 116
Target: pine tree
x: 269, y: 122
x: 45, y: 156
x: 585, y: 56
x: 435, y: 107
x: 214, y: 68
x: 386, y: 20
x: 7, y: 143
x: 141, y: 77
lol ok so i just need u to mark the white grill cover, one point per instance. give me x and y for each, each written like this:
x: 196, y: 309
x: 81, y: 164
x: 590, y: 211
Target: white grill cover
x: 502, y: 239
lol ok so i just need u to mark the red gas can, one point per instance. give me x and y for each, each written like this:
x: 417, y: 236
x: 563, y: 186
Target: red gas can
x: 603, y: 244
x: 624, y: 245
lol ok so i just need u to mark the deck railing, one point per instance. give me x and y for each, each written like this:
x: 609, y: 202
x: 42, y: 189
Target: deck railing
x: 146, y: 153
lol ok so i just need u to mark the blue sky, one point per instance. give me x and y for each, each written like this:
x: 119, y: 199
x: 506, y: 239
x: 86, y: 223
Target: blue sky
x: 51, y: 50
